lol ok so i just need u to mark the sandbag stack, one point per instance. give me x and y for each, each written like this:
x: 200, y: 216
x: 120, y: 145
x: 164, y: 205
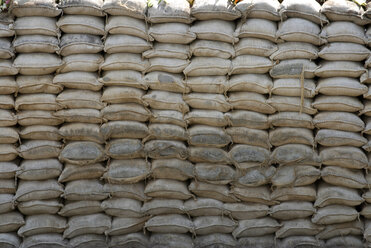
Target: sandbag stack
x: 10, y: 219
x: 38, y: 191
x: 339, y: 129
x: 126, y: 114
x: 82, y: 26
x: 169, y: 29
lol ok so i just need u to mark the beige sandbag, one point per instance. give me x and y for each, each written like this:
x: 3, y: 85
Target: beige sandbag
x: 37, y: 84
x: 218, y: 30
x: 200, y: 66
x: 79, y: 115
x: 37, y: 117
x: 250, y: 101
x: 121, y: 94
x: 200, y: 135
x: 7, y: 68
x: 207, y: 101
x: 124, y: 61
x: 340, y: 86
x: 126, y: 112
x: 291, y: 119
x: 6, y: 49
x: 344, y: 156
x: 203, y: 207
x: 80, y: 43
x: 302, y: 193
x: 294, y: 68
x: 260, y: 194
x: 355, y: 228
x: 39, y: 169
x: 344, y: 51
x: 292, y: 210
x: 78, y: 80
x: 38, y: 190
x: 123, y: 78
x: 45, y: 102
x: 295, y: 175
x: 37, y: 63
x: 50, y: 239
x: 33, y: 25
x: 74, y: 172
x: 8, y: 170
x: 167, y: 117
x: 72, y: 208
x: 126, y: 25
x: 135, y: 9
x: 174, y: 223
x: 127, y: 171
x: 81, y: 62
x: 204, y: 225
x: 84, y: 189
x: 168, y: 50
x: 209, y: 9
x: 250, y: 64
x: 213, y: 191
x: 286, y: 135
x: 171, y: 65
x: 176, y: 169
x: 299, y: 30
x: 328, y: 195
x: 257, y: 28
x: 243, y: 211
x: 37, y: 132
x: 344, y: 31
x: 8, y: 186
x: 256, y: 176
x: 122, y: 207
x: 92, y: 7
x: 132, y: 239
x: 256, y: 227
x: 126, y: 225
x: 120, y: 43
x: 133, y: 191
x: 249, y: 136
x: 208, y: 155
x: 81, y: 132
x: 258, y: 83
x: 345, y: 241
x: 8, y: 152
x: 292, y: 104
x: 166, y: 132
x: 98, y: 240
x: 264, y: 241
x: 166, y: 100
x: 7, y: 102
x: 206, y: 117
x: 81, y: 24
x: 8, y: 135
x: 221, y: 239
x: 124, y: 129
x: 340, y: 69
x: 249, y: 119
x: 10, y: 239
x: 367, y: 108
x: 210, y: 48
x: 336, y: 175
x: 264, y: 9
x: 295, y: 50
x: 80, y: 99
x: 39, y: 207
x: 161, y: 149
x: 83, y: 224
x: 124, y: 148
x: 344, y: 10
x: 176, y: 11
x: 163, y: 206
x: 293, y: 87
x: 247, y: 156
x: 329, y: 137
x: 295, y: 154
x: 299, y: 227
x: 308, y: 9
x: 214, y: 173
x: 255, y: 46
x: 339, y: 121
x: 176, y: 33
x: 37, y: 8
x: 43, y: 223
x: 165, y: 81
x: 334, y: 214
x: 167, y: 188
x: 6, y: 25
x: 8, y: 85
x: 82, y: 153
x: 39, y: 149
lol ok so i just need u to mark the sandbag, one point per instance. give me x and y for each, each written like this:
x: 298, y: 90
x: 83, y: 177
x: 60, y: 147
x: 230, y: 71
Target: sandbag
x: 299, y: 227
x: 73, y: 208
x: 216, y: 102
x: 208, y: 155
x: 249, y: 119
x: 256, y: 176
x: 200, y: 135
x: 163, y: 206
x: 258, y: 83
x: 295, y: 154
x: 210, y: 48
x: 293, y: 87
x: 173, y: 168
x: 213, y: 191
x: 120, y: 43
x: 166, y: 132
x: 329, y: 195
x: 170, y: 65
x: 6, y: 203
x: 124, y: 148
x: 255, y: 46
x: 204, y: 225
x: 8, y: 135
x: 81, y: 153
x: 243, y: 211
x: 339, y: 176
x: 126, y: 225
x: 81, y: 24
x: 340, y: 69
x: 286, y: 135
x: 121, y: 94
x: 292, y: 210
x: 225, y: 240
x: 292, y: 104
x: 135, y: 9
x: 166, y: 101
x: 344, y: 31
x: 124, y: 61
x: 294, y: 68
x: 340, y: 86
x: 158, y: 80
x: 86, y: 7
x: 8, y: 152
x: 78, y: 80
x: 161, y: 149
x: 295, y: 50
x: 36, y: 43
x: 50, y: 239
x: 80, y: 43
x: 7, y: 68
x: 203, y: 207
x: 211, y: 9
x: 334, y: 214
x: 87, y: 224
x: 125, y: 25
x: 44, y: 223
x: 35, y: 8
x: 8, y: 85
x: 264, y: 9
x: 175, y: 33
x: 133, y: 191
x: 158, y: 240
x: 11, y: 221
x: 257, y: 28
x: 81, y: 132
x: 37, y: 63
x: 74, y: 172
x: 79, y: 115
x: 124, y: 129
x: 214, y: 173
x: 329, y: 137
x: 138, y: 239
x: 122, y: 207
x: 344, y: 156
x: 200, y: 66
x: 167, y: 188
x: 344, y: 11
x: 33, y: 25
x: 175, y: 11
x: 126, y: 112
x: 308, y: 9
x: 39, y: 169
x: 256, y: 227
x: 37, y: 132
x: 81, y: 62
x: 337, y: 230
x: 260, y: 195
x: 174, y: 223
x: 39, y: 207
x: 206, y: 117
x: 127, y: 171
x: 39, y: 149
x: 167, y: 117
x: 38, y: 190
x: 218, y: 30
x: 339, y: 121
x: 295, y: 175
x: 302, y: 193
x: 250, y: 64
x: 123, y: 78
x: 344, y: 51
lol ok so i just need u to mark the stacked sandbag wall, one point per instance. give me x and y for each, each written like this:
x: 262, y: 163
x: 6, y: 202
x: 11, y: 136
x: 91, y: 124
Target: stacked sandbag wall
x: 185, y: 123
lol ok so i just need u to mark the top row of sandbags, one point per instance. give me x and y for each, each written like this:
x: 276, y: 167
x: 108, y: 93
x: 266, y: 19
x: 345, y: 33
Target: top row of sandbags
x: 164, y: 11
